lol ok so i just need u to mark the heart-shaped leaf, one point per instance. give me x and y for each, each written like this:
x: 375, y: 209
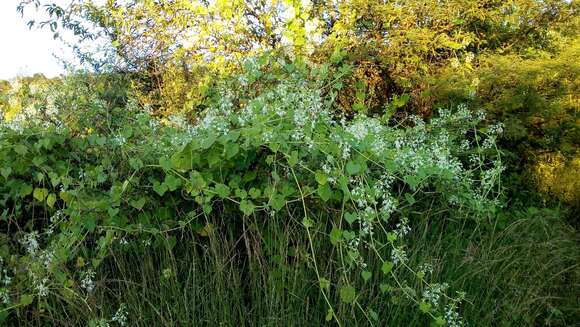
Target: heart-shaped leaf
x: 172, y: 182
x: 335, y: 235
x: 159, y: 188
x: 325, y: 192
x: 385, y: 288
x: 321, y: 178
x: 6, y: 172
x: 138, y: 204
x: 51, y: 200
x: 366, y: 275
x: 247, y: 207
x: 387, y: 267
x: 350, y: 217
x: 40, y: 193
x: 348, y: 235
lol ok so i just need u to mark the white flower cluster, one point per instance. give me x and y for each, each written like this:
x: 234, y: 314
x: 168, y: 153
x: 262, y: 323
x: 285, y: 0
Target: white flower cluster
x: 426, y: 268
x: 496, y: 129
x: 40, y: 284
x: 363, y: 126
x: 464, y: 145
x: 469, y: 57
x: 360, y: 196
x: 366, y: 227
x: 30, y: 242
x: 4, y: 296
x: 452, y: 316
x: 402, y: 227
x: 120, y: 317
x: 490, y: 177
x: 57, y: 217
x: 388, y: 207
x: 295, y: 101
x: 432, y: 294
x: 489, y: 142
x: 461, y: 116
x: 47, y: 258
x: 118, y: 140
x: 399, y: 255
x: 40, y: 108
x: 88, y: 280
x: 345, y: 149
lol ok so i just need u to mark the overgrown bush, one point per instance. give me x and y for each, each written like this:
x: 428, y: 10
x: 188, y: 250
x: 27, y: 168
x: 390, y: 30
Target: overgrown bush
x: 536, y: 97
x: 377, y: 163
x: 279, y: 154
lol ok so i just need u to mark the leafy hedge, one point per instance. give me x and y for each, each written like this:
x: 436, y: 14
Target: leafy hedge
x: 68, y: 198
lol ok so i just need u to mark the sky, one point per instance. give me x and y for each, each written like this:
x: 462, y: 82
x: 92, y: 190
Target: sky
x: 24, y: 52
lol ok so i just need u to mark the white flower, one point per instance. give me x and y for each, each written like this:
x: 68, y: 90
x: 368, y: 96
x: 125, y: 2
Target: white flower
x: 488, y: 143
x: 4, y: 296
x: 88, y: 282
x: 366, y: 228
x: 398, y: 255
x: 496, y: 129
x: 30, y: 242
x: 364, y: 126
x: 267, y: 136
x: 47, y: 257
x: 452, y: 316
x: 433, y: 293
x: 345, y: 150
x: 41, y: 287
x: 464, y: 145
x: 469, y: 57
x: 120, y: 316
x: 455, y: 62
x: 426, y: 268
x: 403, y: 227
x: 389, y: 206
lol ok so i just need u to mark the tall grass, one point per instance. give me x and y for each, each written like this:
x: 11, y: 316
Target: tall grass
x: 525, y: 274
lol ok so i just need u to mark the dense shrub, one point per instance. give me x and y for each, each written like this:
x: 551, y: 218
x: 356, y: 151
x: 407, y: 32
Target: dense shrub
x: 377, y: 163
x: 516, y: 59
x: 280, y: 153
x: 535, y: 96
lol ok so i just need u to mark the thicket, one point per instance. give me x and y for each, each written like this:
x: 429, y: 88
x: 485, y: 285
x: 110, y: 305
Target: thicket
x: 283, y: 163
x: 515, y: 59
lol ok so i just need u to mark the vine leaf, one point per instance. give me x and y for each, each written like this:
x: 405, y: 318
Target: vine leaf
x: 387, y: 267
x: 347, y: 294
x: 247, y: 207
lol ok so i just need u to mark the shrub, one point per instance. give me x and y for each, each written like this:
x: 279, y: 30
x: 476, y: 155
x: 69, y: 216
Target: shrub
x: 277, y: 153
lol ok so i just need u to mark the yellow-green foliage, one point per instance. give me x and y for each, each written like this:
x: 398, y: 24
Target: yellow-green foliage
x: 517, y: 59
x: 537, y: 98
x: 534, y: 96
x: 25, y: 93
x: 407, y: 43
x: 81, y: 101
x: 179, y: 46
x: 558, y: 176
x: 395, y: 46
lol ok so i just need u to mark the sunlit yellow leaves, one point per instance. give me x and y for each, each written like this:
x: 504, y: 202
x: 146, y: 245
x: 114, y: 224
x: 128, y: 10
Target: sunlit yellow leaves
x: 557, y: 176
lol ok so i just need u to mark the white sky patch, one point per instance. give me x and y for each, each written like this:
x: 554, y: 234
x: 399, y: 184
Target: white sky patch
x: 24, y: 52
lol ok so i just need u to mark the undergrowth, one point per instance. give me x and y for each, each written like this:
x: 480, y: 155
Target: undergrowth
x: 272, y: 209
